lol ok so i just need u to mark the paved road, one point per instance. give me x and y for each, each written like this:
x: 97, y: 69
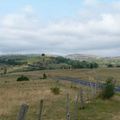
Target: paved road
x: 85, y: 82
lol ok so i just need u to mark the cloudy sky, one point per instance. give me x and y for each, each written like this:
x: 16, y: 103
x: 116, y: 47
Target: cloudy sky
x: 60, y: 27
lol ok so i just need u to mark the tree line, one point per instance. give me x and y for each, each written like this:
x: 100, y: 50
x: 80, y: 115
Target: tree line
x: 76, y: 64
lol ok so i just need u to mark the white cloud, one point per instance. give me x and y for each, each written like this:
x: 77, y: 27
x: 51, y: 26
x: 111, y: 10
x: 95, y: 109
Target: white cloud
x: 90, y: 2
x: 28, y: 9
x: 25, y: 33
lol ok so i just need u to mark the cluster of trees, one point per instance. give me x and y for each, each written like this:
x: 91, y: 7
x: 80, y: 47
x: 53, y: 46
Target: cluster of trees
x: 46, y: 62
x: 13, y: 60
x: 62, y: 63
x: 113, y: 65
x: 76, y: 63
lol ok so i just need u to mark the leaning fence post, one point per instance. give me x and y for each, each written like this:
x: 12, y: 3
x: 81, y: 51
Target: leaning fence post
x: 22, y: 112
x: 40, y: 111
x: 76, y: 107
x: 82, y: 104
x: 68, y: 107
x: 92, y: 90
x: 95, y: 92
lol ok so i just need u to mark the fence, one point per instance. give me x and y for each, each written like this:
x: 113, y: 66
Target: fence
x: 79, y: 102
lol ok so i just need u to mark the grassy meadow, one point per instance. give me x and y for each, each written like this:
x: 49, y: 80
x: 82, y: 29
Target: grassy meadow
x: 13, y: 94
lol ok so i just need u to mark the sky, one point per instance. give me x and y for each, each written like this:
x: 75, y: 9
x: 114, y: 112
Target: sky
x: 60, y: 27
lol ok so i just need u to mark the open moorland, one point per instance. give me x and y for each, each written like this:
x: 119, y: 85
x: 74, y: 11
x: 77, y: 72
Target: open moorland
x: 14, y: 93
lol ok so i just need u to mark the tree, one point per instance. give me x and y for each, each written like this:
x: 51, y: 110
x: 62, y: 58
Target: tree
x: 93, y: 65
x: 44, y: 76
x: 108, y: 89
x: 5, y: 71
x: 110, y: 66
x: 23, y: 78
x: 43, y: 59
x: 43, y: 54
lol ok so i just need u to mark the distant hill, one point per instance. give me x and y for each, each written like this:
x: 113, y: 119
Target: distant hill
x: 89, y: 57
x: 112, y: 58
x: 102, y: 61
x: 20, y: 63
x: 37, y: 61
x: 82, y: 57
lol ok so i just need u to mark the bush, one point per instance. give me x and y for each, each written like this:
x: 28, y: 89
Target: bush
x: 73, y: 86
x: 22, y: 78
x: 110, y: 65
x: 44, y: 76
x: 55, y: 90
x: 108, y: 89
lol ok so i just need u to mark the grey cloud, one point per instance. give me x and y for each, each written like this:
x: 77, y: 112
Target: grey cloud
x: 23, y: 33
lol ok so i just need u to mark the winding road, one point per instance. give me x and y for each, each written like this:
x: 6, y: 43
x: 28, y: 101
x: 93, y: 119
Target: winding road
x: 84, y: 82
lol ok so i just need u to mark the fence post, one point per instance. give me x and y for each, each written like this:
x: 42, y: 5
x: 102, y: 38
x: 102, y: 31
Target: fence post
x: 68, y: 107
x: 92, y: 90
x: 40, y: 111
x: 95, y: 92
x: 76, y: 107
x: 22, y: 112
x: 82, y: 104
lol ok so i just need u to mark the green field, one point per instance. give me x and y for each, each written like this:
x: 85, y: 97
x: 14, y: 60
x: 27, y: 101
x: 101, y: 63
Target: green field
x: 13, y: 94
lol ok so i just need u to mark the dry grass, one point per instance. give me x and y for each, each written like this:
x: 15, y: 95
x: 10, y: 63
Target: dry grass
x: 18, y: 93
x: 100, y: 73
x: 13, y: 94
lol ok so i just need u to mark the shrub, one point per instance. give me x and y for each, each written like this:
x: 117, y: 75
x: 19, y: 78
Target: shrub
x: 110, y: 65
x: 108, y: 89
x: 44, y: 76
x: 73, y: 86
x: 23, y: 78
x: 55, y: 90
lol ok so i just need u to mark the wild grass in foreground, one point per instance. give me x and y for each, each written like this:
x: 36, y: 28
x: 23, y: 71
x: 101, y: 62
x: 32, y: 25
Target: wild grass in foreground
x: 13, y: 94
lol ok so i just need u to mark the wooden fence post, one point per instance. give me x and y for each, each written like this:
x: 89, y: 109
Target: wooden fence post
x: 88, y: 94
x: 92, y: 91
x: 82, y: 104
x: 68, y: 107
x: 76, y: 107
x: 95, y: 92
x: 22, y: 112
x: 40, y: 111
